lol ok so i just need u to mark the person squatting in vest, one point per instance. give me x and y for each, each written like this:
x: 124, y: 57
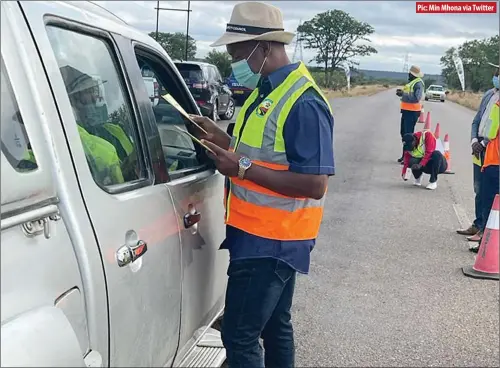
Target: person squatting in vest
x: 277, y: 165
x: 490, y: 169
x: 479, y: 142
x: 410, y: 102
x: 421, y: 155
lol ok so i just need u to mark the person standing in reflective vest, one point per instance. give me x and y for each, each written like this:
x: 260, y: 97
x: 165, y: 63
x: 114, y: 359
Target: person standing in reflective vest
x: 277, y: 163
x: 490, y: 169
x: 411, y: 105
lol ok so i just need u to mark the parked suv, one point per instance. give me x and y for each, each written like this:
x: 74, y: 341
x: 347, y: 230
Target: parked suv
x: 209, y: 91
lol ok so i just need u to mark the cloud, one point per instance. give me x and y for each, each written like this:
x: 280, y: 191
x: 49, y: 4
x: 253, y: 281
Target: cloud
x: 398, y: 28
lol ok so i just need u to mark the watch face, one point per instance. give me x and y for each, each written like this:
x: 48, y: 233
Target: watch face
x: 245, y: 162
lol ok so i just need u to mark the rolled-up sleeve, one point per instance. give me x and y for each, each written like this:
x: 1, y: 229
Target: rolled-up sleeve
x: 308, y: 135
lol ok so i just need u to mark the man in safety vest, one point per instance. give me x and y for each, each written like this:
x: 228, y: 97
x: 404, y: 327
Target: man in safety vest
x: 102, y: 156
x: 277, y: 165
x: 490, y: 169
x: 421, y: 155
x: 411, y: 105
x: 479, y: 141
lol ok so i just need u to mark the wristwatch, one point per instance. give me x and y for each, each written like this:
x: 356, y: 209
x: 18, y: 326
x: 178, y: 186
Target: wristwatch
x: 244, y: 165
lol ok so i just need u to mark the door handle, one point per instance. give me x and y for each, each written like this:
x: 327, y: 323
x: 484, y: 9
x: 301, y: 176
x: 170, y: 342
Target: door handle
x: 191, y: 219
x: 127, y: 254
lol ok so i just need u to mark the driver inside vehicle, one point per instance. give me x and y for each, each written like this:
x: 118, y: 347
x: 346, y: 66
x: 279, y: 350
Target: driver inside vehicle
x: 102, y: 155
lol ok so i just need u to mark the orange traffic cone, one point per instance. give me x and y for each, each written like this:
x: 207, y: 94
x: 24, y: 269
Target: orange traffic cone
x: 437, y: 131
x: 439, y: 142
x: 447, y: 154
x: 427, y: 125
x: 487, y: 263
x: 421, y: 118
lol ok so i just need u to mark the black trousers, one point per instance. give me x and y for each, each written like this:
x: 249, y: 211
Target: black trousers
x: 436, y: 165
x: 408, y: 121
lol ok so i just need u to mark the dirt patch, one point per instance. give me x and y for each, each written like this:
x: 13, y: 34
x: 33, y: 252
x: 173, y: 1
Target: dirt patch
x: 472, y: 100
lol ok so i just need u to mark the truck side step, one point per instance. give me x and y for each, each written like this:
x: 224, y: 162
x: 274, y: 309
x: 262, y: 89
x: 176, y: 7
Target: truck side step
x: 209, y: 352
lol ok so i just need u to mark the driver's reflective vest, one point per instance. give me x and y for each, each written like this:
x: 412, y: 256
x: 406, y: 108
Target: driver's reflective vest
x: 408, y: 90
x: 256, y: 209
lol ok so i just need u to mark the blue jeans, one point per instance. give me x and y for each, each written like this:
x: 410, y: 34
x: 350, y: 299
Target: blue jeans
x: 489, y: 189
x: 479, y: 222
x: 258, y: 302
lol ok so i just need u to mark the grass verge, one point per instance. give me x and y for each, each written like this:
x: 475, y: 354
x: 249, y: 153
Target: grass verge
x: 472, y: 100
x: 366, y: 90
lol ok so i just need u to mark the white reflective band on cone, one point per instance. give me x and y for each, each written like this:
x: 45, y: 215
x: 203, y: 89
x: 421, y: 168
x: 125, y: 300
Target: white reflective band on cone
x: 446, y: 146
x: 493, y: 220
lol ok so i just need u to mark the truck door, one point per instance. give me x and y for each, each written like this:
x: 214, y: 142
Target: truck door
x: 132, y: 215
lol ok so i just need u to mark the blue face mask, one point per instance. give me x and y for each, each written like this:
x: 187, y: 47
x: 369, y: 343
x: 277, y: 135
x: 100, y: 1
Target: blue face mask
x: 244, y: 75
x: 495, y: 81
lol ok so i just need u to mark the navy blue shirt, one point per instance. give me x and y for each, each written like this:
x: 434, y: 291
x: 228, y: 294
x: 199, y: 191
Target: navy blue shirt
x: 308, y: 135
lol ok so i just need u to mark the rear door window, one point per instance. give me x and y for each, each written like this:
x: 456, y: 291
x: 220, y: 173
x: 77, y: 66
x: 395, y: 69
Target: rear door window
x: 101, y: 107
x: 190, y: 72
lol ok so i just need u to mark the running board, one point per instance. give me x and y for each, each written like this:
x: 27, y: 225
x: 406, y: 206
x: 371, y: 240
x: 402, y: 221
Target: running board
x: 209, y: 352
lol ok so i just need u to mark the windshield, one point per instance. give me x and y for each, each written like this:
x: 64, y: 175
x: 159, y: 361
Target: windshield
x: 435, y: 88
x: 190, y: 73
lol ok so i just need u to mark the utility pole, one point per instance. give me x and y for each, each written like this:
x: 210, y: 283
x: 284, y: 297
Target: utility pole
x: 297, y: 53
x: 188, y: 11
x: 406, y: 63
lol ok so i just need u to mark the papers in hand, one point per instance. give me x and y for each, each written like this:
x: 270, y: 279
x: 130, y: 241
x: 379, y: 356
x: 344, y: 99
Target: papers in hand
x: 194, y: 139
x: 179, y: 108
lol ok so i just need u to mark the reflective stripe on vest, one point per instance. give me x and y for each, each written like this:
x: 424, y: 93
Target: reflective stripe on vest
x: 118, y: 133
x: 419, y: 151
x: 102, y: 158
x: 408, y: 89
x: 251, y: 207
x: 491, y: 156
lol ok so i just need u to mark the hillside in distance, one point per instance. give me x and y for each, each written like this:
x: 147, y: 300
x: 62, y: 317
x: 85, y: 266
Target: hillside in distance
x: 381, y: 74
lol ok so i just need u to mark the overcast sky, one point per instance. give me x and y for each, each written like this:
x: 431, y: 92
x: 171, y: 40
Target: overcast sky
x: 398, y: 29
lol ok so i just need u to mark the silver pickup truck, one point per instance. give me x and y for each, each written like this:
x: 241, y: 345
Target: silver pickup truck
x: 110, y: 224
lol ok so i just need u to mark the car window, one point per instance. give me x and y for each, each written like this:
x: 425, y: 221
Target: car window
x: 217, y: 75
x: 179, y: 150
x: 190, y: 73
x: 102, y: 111
x: 15, y: 142
x: 435, y: 88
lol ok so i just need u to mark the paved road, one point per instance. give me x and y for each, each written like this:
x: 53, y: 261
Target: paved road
x: 385, y: 287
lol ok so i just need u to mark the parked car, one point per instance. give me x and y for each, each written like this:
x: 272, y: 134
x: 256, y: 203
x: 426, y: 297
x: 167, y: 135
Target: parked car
x: 435, y: 92
x: 205, y: 84
x: 240, y: 93
x: 100, y: 269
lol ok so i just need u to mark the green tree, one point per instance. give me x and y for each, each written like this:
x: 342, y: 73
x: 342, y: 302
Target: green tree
x: 222, y: 60
x: 475, y: 56
x: 336, y: 35
x: 175, y: 44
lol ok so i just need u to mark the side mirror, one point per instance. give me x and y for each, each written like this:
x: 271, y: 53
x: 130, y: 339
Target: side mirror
x: 446, y: 92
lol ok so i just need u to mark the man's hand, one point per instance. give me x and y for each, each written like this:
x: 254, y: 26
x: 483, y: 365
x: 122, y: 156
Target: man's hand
x: 416, y: 167
x: 226, y: 162
x: 215, y: 134
x: 477, y: 148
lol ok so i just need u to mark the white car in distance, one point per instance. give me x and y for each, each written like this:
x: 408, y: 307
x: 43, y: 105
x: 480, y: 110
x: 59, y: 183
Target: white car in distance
x: 435, y: 92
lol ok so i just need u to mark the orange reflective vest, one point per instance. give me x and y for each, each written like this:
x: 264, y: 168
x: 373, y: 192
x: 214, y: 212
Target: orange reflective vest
x: 491, y: 155
x: 408, y: 90
x: 251, y: 207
